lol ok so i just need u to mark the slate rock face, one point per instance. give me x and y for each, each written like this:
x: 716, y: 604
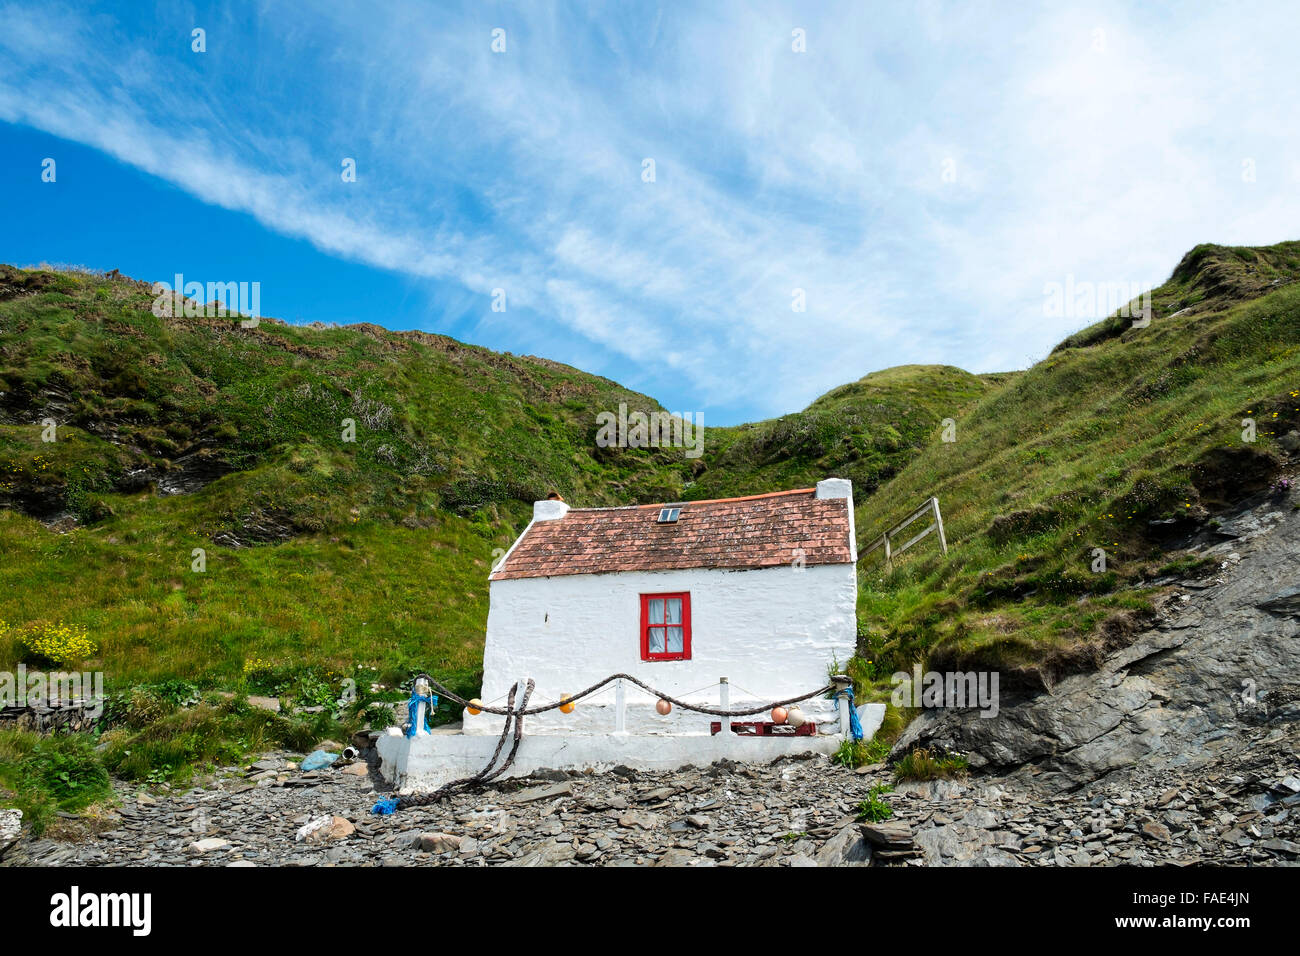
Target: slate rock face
x: 1225, y: 655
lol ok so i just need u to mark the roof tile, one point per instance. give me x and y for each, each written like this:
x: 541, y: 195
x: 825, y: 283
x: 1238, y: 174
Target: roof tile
x: 760, y: 531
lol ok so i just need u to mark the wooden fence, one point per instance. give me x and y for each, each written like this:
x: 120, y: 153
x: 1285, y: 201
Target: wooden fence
x: 886, y: 540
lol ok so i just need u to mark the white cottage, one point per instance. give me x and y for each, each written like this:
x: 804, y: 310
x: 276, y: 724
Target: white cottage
x: 760, y: 590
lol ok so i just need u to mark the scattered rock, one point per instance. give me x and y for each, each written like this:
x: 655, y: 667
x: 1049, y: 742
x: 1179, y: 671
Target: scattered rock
x: 640, y: 818
x: 323, y: 828
x: 550, y: 853
x: 890, y: 835
x: 438, y: 842
x: 1157, y: 831
x: 208, y: 844
x: 11, y: 825
x: 533, y: 794
x: 657, y: 795
x: 680, y: 857
x: 848, y: 847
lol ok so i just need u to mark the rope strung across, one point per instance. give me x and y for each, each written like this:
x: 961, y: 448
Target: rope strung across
x: 574, y: 698
x: 515, y: 720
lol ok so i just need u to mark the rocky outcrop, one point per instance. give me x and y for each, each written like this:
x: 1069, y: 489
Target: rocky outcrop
x: 1224, y: 658
x: 11, y: 825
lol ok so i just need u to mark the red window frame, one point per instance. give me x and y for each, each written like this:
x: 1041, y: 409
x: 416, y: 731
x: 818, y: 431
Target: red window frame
x: 646, y: 626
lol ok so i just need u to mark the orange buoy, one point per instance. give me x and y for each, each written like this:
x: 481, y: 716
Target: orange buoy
x: 664, y: 707
x: 567, y: 706
x: 779, y: 715
x: 473, y: 707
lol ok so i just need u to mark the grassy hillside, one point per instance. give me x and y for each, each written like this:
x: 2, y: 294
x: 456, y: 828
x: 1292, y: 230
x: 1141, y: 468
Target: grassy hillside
x: 176, y: 434
x: 188, y: 440
x: 183, y: 440
x: 439, y: 426
x: 1118, y: 440
x: 865, y: 431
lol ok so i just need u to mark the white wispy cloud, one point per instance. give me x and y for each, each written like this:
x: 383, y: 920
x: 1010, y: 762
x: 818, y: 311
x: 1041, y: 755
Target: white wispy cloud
x: 1099, y: 142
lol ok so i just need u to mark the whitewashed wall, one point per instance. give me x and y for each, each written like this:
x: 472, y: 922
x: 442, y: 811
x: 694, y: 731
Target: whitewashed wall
x: 771, y: 631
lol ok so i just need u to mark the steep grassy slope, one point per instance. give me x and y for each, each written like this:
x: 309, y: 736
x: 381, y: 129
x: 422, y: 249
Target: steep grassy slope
x: 865, y: 431
x: 317, y: 550
x: 438, y: 425
x: 1119, y: 440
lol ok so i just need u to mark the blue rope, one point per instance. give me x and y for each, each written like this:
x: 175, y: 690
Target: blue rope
x: 385, y: 807
x: 855, y: 725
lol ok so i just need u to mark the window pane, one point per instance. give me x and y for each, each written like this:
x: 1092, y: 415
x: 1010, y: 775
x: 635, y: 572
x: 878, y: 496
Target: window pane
x: 674, y: 610
x: 674, y: 640
x: 656, y: 640
x: 656, y: 610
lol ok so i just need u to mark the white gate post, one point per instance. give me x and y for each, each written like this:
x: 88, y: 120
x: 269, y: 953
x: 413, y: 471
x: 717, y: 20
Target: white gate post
x: 842, y: 683
x: 620, y: 708
x: 724, y: 695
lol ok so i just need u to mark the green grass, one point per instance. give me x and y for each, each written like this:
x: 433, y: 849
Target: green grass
x: 151, y: 735
x: 875, y: 808
x: 865, y: 431
x: 394, y: 598
x: 861, y: 753
x: 171, y: 747
x: 1118, y: 427
x: 45, y: 775
x: 439, y: 425
x: 921, y: 764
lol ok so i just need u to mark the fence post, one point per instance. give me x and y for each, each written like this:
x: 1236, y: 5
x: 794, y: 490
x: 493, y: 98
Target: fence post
x: 620, y: 708
x: 724, y: 695
x: 938, y: 523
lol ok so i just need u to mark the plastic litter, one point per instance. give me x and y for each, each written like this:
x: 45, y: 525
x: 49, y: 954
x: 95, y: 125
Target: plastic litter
x: 318, y: 760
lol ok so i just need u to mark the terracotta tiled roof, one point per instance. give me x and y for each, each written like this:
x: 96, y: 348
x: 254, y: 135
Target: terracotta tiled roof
x: 760, y: 531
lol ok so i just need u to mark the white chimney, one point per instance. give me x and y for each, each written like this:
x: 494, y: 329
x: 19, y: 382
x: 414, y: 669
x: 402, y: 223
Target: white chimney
x: 841, y: 488
x: 835, y: 488
x: 549, y: 510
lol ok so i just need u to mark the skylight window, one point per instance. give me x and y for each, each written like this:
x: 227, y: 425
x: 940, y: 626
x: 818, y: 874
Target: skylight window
x: 669, y: 515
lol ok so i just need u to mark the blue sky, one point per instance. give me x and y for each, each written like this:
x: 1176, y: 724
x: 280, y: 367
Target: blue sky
x: 921, y: 171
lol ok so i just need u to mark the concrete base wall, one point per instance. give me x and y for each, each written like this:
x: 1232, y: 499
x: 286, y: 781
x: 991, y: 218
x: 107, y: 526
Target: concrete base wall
x: 427, y: 762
